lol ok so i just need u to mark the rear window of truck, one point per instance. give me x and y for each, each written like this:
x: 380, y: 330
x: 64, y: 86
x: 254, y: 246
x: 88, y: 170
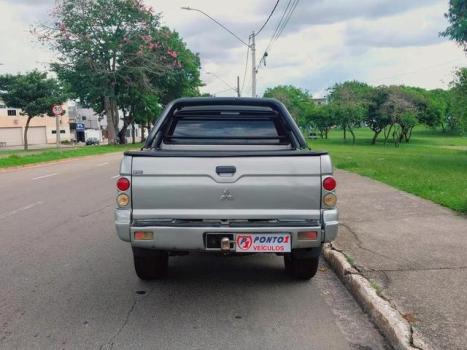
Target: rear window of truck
x: 226, y: 130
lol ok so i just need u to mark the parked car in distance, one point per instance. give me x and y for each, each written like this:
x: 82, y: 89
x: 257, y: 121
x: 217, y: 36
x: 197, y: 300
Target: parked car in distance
x: 313, y: 135
x: 229, y: 175
x: 92, y: 141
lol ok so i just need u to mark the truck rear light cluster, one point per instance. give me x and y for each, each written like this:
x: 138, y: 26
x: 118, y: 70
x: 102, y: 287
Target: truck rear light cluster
x: 329, y: 195
x: 123, y: 184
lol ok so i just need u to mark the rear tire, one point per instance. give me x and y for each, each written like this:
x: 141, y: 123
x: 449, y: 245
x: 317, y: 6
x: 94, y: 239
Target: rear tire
x: 300, y: 268
x: 150, y: 264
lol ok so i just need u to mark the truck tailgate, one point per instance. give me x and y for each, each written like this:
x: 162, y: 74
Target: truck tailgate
x: 196, y: 188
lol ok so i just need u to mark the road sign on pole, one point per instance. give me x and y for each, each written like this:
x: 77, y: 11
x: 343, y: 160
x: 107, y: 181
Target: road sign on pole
x: 57, y: 111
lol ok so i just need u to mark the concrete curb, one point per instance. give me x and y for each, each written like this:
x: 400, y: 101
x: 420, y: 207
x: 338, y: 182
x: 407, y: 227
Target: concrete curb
x: 394, y: 327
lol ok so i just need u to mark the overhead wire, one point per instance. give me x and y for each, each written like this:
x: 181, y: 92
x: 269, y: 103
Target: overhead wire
x: 222, y: 91
x: 267, y: 20
x: 249, y: 41
x: 284, y: 20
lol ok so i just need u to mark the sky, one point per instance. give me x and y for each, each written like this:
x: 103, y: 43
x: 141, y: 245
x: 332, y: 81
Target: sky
x: 324, y: 42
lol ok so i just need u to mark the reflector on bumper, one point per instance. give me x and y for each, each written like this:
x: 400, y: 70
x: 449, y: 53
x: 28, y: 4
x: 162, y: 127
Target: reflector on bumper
x: 143, y: 236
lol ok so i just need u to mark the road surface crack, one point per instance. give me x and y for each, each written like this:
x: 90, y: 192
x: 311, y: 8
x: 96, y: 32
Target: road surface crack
x: 421, y: 269
x: 110, y: 343
x: 360, y: 244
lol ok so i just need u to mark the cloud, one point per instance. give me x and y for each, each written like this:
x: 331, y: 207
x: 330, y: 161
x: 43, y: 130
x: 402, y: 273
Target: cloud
x: 414, y: 28
x: 325, y: 41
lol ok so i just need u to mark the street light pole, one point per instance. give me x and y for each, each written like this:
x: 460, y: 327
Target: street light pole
x: 252, y: 46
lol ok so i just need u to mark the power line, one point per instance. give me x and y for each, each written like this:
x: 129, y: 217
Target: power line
x: 284, y: 20
x: 279, y: 24
x: 222, y: 91
x: 269, y: 17
x: 292, y: 9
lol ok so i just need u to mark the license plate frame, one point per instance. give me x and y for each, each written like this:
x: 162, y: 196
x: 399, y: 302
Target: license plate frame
x: 264, y: 242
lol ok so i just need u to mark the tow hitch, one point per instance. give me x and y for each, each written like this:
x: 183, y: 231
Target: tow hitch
x: 225, y: 244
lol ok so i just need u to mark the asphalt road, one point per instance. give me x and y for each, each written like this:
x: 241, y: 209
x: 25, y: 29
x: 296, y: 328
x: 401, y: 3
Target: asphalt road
x: 67, y: 281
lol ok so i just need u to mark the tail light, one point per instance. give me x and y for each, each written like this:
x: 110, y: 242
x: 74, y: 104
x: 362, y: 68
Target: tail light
x: 123, y: 200
x: 329, y: 198
x: 329, y: 183
x: 123, y: 184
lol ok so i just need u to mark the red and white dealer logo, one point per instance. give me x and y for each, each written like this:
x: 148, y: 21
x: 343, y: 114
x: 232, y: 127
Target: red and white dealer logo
x: 244, y: 242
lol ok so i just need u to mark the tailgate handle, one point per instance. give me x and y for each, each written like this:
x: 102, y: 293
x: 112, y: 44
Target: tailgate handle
x: 225, y: 170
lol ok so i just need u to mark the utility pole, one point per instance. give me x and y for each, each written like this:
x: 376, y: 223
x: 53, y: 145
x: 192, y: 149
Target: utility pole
x: 251, y: 46
x: 57, y: 130
x: 253, y: 65
x: 238, y: 86
x: 57, y: 111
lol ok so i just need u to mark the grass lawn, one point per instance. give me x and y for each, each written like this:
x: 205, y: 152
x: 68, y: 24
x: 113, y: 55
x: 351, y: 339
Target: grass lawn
x: 432, y: 165
x: 18, y: 158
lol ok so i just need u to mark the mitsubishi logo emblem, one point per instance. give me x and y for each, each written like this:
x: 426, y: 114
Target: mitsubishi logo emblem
x: 226, y: 196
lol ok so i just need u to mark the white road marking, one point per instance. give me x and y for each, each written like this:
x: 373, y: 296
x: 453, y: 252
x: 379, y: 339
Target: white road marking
x: 19, y: 210
x: 44, y: 176
x: 114, y: 177
x: 102, y: 164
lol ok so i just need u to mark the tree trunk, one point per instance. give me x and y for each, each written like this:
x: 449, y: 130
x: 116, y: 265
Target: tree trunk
x: 109, y: 114
x: 345, y: 133
x: 386, y: 135
x: 26, y: 128
x: 396, y: 136
x: 375, y: 136
x: 409, y: 135
x: 122, y: 135
x: 353, y: 135
x: 326, y: 133
x: 143, y: 136
x: 133, y: 136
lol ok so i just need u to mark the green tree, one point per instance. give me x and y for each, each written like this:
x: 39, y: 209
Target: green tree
x: 297, y: 101
x: 33, y: 93
x: 457, y: 17
x: 108, y: 48
x: 399, y: 108
x: 184, y: 77
x: 350, y: 102
x: 437, y: 111
x: 322, y: 118
x: 147, y: 110
x: 458, y: 102
x: 377, y: 120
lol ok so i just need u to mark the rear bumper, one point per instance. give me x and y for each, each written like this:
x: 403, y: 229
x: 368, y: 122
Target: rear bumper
x: 192, y: 238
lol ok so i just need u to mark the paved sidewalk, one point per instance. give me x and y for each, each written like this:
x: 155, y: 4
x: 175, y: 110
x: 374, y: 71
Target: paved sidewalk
x: 413, y: 250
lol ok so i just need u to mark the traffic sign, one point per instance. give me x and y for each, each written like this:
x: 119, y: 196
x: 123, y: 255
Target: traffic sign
x: 57, y: 110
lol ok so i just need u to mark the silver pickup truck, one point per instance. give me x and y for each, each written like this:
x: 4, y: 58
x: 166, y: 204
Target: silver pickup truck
x: 229, y: 175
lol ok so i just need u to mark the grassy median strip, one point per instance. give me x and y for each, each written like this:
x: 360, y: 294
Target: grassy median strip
x: 432, y: 165
x: 20, y: 158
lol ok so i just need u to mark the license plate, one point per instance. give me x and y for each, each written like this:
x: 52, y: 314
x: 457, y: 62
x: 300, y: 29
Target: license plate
x: 262, y: 243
